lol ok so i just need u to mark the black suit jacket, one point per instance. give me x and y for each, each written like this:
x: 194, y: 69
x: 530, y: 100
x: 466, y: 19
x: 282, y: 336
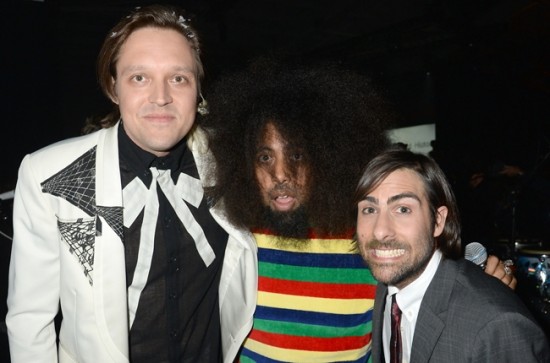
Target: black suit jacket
x: 468, y: 316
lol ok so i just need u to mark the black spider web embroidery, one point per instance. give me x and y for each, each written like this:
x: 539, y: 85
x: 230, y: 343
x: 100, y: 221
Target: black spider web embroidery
x: 80, y: 236
x: 76, y: 185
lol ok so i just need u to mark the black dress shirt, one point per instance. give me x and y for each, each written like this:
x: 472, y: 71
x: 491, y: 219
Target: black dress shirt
x: 177, y: 317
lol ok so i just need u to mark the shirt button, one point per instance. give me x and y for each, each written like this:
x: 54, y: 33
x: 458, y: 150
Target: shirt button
x: 173, y: 334
x: 172, y: 295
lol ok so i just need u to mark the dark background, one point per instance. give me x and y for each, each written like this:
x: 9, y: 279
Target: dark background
x: 478, y: 69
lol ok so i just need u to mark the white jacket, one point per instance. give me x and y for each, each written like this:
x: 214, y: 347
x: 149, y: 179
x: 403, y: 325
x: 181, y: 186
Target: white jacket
x: 45, y: 271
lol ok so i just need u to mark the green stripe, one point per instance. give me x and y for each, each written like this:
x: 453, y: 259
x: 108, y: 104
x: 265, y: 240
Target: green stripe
x: 318, y: 331
x: 243, y: 359
x: 317, y: 274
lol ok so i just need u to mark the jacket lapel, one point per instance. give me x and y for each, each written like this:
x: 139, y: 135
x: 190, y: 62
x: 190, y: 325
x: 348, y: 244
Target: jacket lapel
x: 378, y: 323
x: 433, y: 310
x: 110, y: 299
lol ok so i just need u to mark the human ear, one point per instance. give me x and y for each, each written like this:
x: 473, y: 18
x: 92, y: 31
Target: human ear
x: 440, y: 218
x: 113, y: 93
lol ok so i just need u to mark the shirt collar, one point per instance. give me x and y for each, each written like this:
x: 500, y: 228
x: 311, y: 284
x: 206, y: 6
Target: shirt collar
x: 179, y: 160
x: 411, y: 295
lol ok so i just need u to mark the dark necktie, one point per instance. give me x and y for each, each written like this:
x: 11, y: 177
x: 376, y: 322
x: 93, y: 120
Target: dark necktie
x: 395, y: 340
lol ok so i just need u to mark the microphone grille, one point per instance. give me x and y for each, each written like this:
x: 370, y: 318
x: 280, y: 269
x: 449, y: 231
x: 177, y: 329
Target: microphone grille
x: 475, y: 252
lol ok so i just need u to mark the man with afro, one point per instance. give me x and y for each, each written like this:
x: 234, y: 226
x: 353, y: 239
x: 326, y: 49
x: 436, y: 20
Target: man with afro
x: 289, y: 144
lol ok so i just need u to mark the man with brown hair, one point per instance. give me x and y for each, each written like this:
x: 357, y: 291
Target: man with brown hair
x: 431, y: 305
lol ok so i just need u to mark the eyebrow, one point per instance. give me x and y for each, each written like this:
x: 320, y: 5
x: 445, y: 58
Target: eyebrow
x: 263, y: 148
x: 393, y: 198
x: 140, y: 67
x: 184, y: 69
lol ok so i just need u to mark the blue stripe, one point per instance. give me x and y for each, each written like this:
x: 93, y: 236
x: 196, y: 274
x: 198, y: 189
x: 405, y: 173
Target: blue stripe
x: 313, y: 318
x: 329, y: 260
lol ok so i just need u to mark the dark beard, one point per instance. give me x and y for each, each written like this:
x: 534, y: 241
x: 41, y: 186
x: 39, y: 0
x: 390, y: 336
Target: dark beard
x: 293, y: 224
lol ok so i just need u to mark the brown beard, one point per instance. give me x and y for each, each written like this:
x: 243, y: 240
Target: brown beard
x: 407, y: 272
x: 292, y: 224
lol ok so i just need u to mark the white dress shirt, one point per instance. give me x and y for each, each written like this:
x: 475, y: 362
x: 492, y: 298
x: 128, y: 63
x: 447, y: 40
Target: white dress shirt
x: 408, y: 299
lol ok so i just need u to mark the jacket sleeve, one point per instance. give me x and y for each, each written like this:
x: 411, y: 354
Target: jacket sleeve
x: 34, y: 280
x: 511, y: 337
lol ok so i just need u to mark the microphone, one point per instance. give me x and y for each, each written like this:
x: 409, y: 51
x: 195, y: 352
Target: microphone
x: 7, y: 195
x: 476, y: 253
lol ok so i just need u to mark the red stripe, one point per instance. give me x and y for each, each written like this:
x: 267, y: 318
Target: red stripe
x: 316, y: 289
x: 309, y: 343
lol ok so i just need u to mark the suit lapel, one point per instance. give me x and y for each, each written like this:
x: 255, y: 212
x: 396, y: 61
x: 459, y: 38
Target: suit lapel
x: 110, y: 298
x: 378, y: 323
x: 433, y: 310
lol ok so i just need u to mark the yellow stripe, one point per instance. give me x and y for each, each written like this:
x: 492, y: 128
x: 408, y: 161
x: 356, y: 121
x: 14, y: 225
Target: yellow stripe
x: 315, y: 245
x: 317, y: 304
x: 293, y: 355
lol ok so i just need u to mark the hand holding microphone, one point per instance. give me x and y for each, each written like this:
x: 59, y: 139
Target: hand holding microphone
x: 502, y: 270
x: 476, y: 253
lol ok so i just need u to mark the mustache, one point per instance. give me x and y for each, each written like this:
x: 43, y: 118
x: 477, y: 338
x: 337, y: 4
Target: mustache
x: 283, y: 188
x: 391, y: 244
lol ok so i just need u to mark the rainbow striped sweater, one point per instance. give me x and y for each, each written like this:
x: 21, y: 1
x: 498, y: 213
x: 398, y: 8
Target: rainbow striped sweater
x: 315, y: 300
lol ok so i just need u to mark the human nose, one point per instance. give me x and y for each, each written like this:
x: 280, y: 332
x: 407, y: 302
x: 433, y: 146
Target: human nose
x: 160, y: 94
x: 383, y: 228
x: 280, y: 172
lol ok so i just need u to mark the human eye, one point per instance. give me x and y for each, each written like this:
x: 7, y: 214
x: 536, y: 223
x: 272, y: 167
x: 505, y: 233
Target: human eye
x: 138, y: 78
x: 297, y: 155
x: 403, y: 209
x: 180, y: 79
x: 263, y: 158
x: 368, y: 210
